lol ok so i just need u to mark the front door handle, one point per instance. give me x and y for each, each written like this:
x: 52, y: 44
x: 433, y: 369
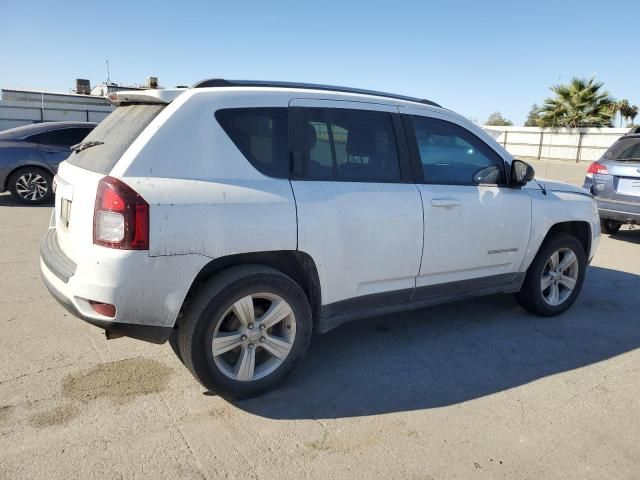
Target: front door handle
x: 445, y: 202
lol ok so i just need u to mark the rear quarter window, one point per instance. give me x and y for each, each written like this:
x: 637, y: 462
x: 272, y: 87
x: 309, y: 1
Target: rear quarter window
x: 117, y: 131
x: 261, y: 134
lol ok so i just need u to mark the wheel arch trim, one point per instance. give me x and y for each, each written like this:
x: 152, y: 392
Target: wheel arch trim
x: 581, y: 229
x: 297, y: 265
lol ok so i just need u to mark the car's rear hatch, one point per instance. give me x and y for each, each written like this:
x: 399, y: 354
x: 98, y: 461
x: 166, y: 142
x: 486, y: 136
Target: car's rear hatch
x: 78, y: 177
x: 621, y: 181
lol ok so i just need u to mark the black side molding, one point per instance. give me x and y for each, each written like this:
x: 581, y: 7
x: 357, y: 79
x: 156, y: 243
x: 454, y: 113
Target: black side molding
x: 337, y: 313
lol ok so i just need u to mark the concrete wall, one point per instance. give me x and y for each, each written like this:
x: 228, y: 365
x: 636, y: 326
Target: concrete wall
x: 571, y: 144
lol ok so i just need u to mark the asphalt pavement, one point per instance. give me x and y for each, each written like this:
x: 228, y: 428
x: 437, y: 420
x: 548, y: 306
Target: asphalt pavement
x: 475, y: 389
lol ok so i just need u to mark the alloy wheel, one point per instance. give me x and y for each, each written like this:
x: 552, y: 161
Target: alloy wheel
x: 32, y: 186
x: 559, y: 276
x: 254, y: 337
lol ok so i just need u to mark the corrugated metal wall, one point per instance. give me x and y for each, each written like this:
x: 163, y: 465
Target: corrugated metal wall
x: 16, y: 113
x: 580, y: 144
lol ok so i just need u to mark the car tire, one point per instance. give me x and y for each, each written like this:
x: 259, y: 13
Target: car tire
x: 221, y: 336
x: 174, y: 343
x: 609, y: 226
x: 31, y: 185
x: 555, y: 277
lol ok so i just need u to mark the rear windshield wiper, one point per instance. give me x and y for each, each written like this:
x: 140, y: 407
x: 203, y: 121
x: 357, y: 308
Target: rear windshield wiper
x: 84, y: 145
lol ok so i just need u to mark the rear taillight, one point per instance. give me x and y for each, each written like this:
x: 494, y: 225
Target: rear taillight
x: 597, y: 168
x: 120, y: 217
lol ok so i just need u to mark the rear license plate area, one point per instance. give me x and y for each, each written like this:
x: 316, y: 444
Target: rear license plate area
x: 629, y: 186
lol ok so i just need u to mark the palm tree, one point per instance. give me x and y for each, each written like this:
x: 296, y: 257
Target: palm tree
x: 627, y: 111
x: 632, y: 113
x: 623, y: 107
x: 580, y: 103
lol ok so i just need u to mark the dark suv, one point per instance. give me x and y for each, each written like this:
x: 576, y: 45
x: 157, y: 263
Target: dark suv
x: 614, y: 181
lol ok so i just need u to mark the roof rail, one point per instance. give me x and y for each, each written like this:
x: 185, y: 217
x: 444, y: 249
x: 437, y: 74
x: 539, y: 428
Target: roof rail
x: 220, y: 82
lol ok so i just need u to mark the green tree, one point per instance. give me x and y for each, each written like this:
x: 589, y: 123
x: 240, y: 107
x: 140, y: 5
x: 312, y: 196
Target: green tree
x: 622, y: 107
x: 497, y: 120
x: 532, y: 117
x: 580, y: 103
x: 627, y: 111
x: 632, y: 114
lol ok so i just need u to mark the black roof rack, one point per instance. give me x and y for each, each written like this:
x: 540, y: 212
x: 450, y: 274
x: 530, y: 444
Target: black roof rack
x: 220, y: 82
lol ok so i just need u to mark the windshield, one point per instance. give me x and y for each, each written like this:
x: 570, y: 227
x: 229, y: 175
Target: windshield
x: 624, y: 150
x: 113, y: 136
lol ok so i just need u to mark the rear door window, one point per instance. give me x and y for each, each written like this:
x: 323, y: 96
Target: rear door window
x: 261, y: 135
x: 117, y: 131
x: 346, y: 144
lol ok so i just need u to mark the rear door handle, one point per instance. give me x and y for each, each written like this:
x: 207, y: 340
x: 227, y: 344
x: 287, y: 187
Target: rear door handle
x: 445, y: 202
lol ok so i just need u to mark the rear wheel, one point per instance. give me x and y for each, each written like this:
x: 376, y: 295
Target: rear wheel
x: 31, y: 185
x: 174, y: 343
x: 245, y: 330
x: 609, y: 226
x: 555, y: 277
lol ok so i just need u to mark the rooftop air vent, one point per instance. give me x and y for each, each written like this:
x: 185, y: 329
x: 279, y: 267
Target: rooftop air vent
x: 83, y: 86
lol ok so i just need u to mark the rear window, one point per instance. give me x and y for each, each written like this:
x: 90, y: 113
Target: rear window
x: 624, y: 150
x: 64, y: 137
x: 117, y: 131
x: 261, y: 134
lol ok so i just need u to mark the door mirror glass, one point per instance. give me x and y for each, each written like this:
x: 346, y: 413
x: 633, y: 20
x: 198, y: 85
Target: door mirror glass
x: 521, y: 173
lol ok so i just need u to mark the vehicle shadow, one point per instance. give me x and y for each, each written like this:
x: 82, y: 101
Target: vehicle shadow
x: 454, y: 353
x: 8, y: 200
x: 632, y: 236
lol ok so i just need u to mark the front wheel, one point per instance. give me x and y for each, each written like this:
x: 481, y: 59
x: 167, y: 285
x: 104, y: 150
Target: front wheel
x: 245, y: 330
x: 554, y: 278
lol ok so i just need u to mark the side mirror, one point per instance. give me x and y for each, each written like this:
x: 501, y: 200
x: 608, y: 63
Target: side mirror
x: 521, y: 173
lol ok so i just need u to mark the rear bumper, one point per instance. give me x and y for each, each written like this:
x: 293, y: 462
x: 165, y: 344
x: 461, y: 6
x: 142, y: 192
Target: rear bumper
x: 112, y: 329
x: 147, y: 292
x: 622, y: 212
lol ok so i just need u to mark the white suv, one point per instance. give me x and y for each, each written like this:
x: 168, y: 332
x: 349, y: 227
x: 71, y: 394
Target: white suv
x: 234, y: 218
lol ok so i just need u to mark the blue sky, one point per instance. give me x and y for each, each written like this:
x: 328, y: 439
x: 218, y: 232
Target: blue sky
x: 473, y: 57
